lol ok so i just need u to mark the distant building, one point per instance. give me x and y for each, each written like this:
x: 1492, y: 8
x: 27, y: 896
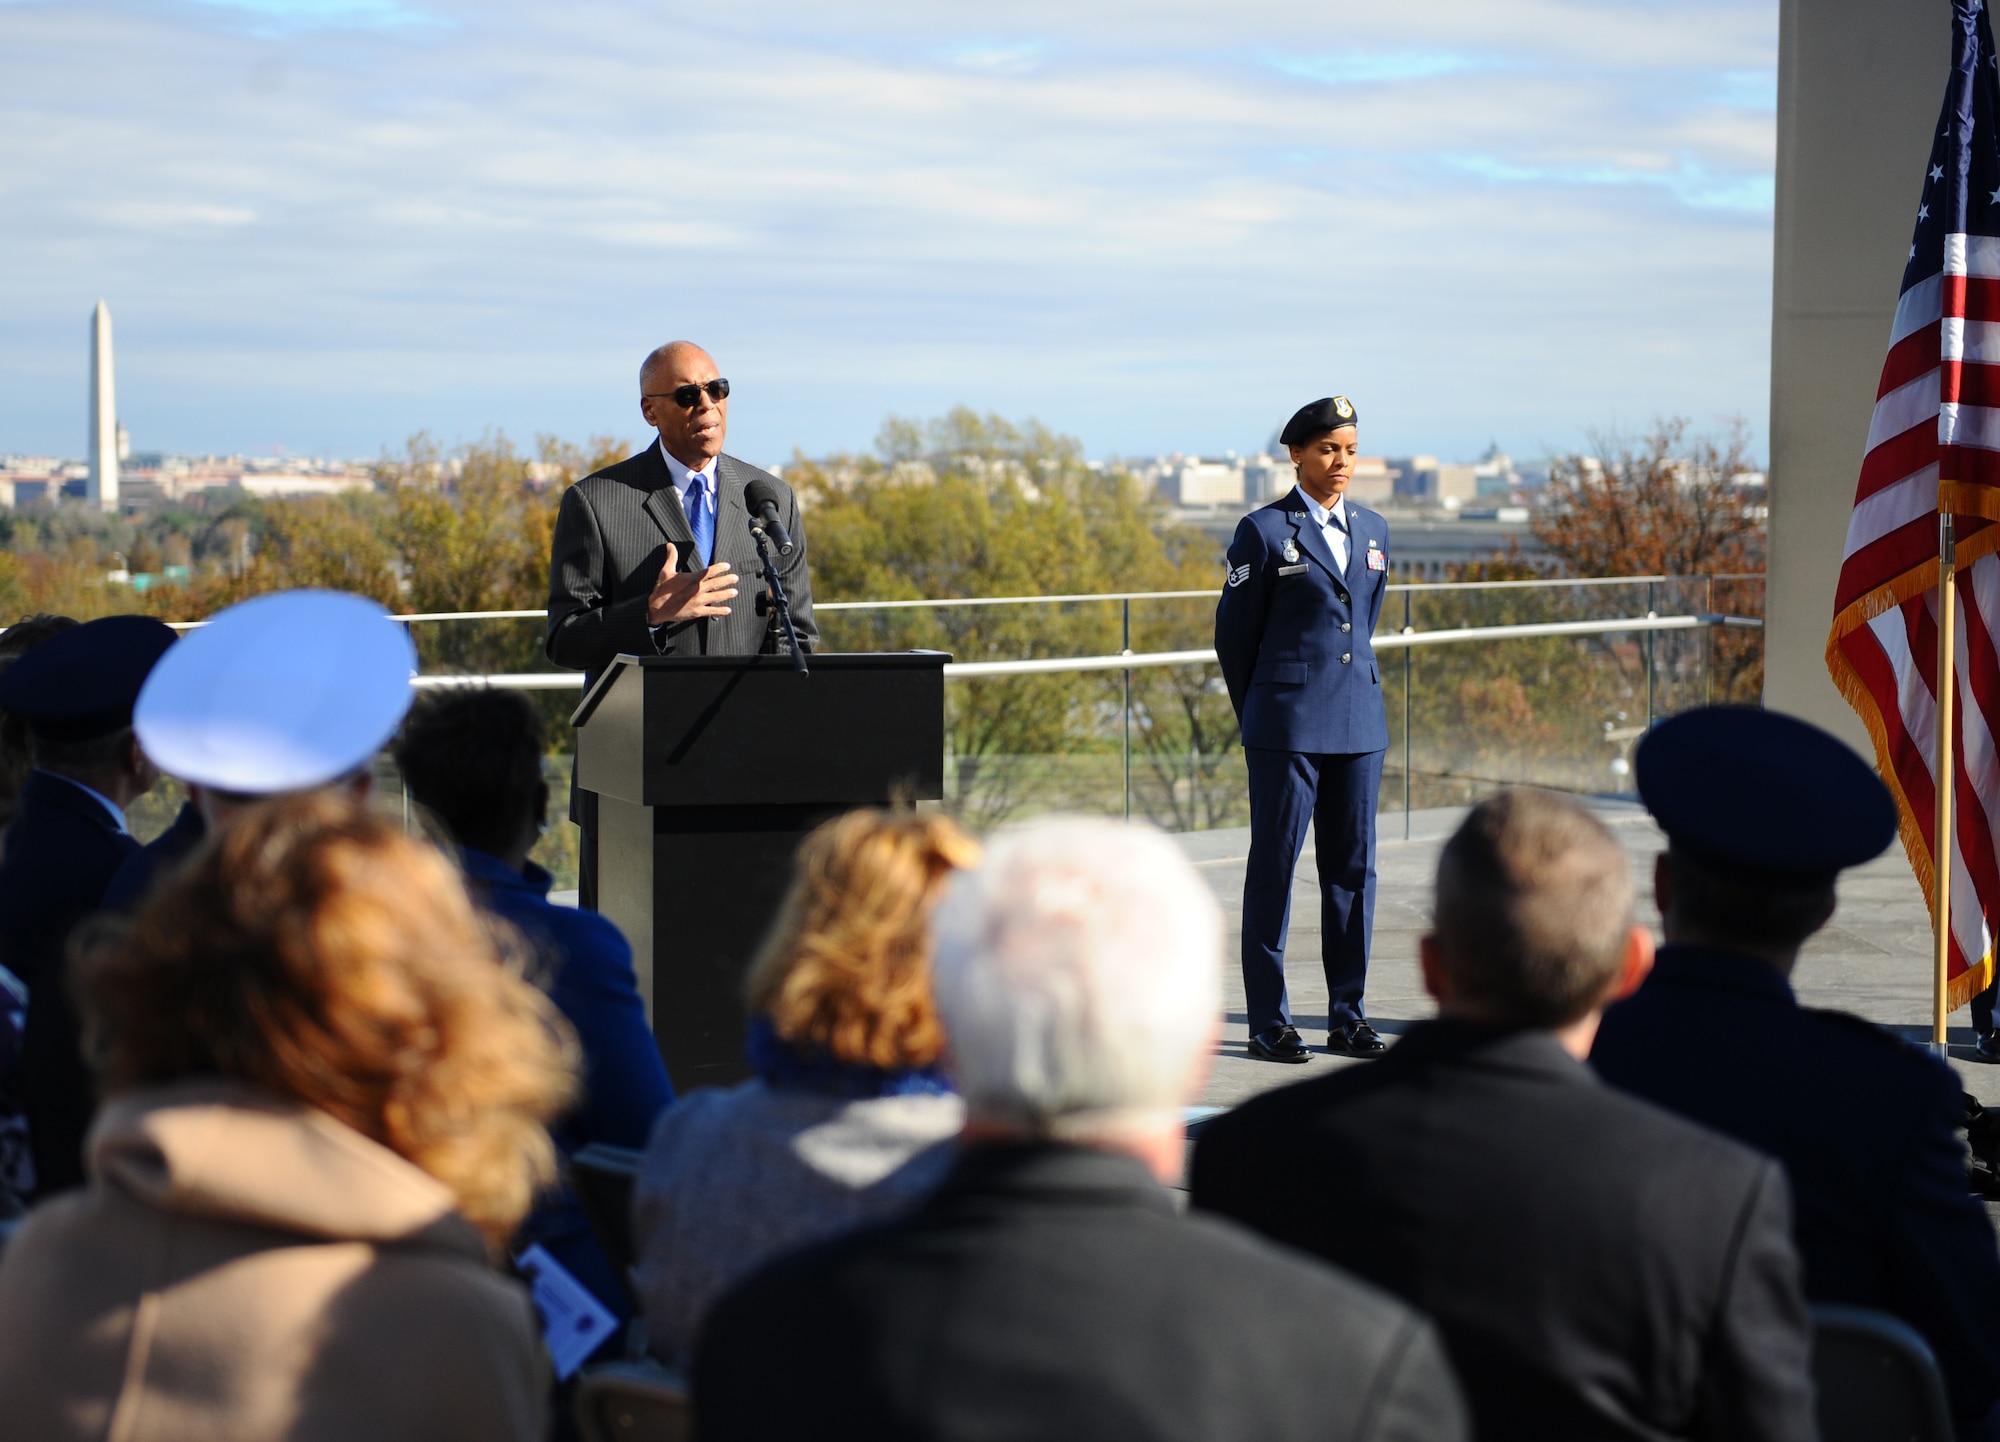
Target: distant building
x: 1373, y: 482
x: 1425, y: 478
x: 1493, y: 474
x: 1266, y: 477
x: 1202, y: 481
x: 153, y: 480
x: 1413, y: 474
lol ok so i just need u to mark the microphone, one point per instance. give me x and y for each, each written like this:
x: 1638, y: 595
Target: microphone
x: 763, y: 502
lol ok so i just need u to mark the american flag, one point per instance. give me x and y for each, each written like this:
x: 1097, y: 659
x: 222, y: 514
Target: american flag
x: 1934, y: 444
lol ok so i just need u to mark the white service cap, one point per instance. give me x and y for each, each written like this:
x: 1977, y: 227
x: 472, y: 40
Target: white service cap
x: 281, y: 693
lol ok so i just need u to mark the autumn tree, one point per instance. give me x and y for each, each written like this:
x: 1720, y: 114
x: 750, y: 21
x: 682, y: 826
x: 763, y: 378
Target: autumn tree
x: 967, y: 505
x: 1670, y: 503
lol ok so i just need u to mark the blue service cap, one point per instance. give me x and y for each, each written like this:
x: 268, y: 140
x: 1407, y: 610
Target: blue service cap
x: 1310, y: 422
x: 81, y: 683
x: 1763, y: 793
x: 281, y: 693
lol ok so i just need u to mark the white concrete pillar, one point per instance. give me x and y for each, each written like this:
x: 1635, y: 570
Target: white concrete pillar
x: 1860, y: 83
x: 102, y: 488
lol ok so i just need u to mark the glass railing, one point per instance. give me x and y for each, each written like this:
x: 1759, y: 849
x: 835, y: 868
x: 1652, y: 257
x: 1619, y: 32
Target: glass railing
x: 1561, y: 707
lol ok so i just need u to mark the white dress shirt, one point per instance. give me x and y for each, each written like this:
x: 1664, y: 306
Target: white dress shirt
x: 1325, y: 517
x: 681, y: 477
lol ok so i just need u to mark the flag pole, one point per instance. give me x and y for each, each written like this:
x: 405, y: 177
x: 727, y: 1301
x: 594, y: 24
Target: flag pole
x: 1944, y: 774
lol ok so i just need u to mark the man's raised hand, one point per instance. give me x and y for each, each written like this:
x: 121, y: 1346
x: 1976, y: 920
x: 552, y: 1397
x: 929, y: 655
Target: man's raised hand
x: 685, y: 595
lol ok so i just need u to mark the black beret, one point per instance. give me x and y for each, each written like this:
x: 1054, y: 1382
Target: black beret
x: 83, y: 682
x: 1309, y: 423
x: 1763, y: 793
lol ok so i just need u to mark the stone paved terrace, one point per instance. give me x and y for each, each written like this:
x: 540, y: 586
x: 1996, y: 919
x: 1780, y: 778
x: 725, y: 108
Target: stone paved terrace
x: 1873, y: 959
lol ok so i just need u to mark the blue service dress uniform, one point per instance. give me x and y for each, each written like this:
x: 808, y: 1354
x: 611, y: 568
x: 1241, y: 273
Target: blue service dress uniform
x: 1292, y: 632
x: 62, y: 849
x: 1864, y: 1125
x: 133, y: 882
x: 625, y: 1086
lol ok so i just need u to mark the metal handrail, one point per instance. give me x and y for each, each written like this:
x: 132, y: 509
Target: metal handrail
x: 1132, y: 661
x: 1412, y: 587
x: 1392, y: 641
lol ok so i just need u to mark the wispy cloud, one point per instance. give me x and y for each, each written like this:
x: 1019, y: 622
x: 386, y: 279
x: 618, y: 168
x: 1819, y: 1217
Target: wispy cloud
x: 1378, y: 67
x: 1748, y: 89
x: 276, y: 15
x: 1687, y: 180
x: 996, y: 57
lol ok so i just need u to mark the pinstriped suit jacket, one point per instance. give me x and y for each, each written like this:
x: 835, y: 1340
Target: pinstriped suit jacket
x: 611, y: 539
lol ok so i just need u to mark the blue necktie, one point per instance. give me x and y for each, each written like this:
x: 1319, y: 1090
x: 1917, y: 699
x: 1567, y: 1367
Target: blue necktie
x: 701, y: 518
x: 1334, y: 522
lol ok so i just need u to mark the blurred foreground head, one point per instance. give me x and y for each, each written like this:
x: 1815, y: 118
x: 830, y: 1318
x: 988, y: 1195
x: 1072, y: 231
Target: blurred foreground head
x: 315, y: 952
x: 472, y: 758
x: 17, y: 755
x: 1533, y: 914
x: 846, y: 972
x: 1078, y: 973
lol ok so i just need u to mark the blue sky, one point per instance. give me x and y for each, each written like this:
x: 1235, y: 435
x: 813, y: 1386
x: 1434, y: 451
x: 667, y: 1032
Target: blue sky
x: 324, y: 224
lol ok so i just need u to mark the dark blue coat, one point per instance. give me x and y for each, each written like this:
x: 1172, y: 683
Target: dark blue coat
x: 62, y: 848
x: 1864, y: 1124
x: 1600, y: 1270
x: 591, y: 981
x: 133, y: 881
x: 1293, y: 636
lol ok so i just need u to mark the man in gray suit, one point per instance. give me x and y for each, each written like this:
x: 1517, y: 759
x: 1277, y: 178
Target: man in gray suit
x: 647, y: 553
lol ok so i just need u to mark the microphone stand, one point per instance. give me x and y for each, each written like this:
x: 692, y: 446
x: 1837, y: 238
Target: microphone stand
x: 779, y: 599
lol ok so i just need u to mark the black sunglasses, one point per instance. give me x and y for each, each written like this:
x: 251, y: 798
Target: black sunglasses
x: 689, y: 395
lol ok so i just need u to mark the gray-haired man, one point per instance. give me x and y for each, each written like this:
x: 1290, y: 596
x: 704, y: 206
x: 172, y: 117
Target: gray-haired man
x: 1050, y: 1289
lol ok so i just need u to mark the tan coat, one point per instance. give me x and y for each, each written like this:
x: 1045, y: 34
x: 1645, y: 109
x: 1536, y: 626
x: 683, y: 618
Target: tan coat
x: 247, y: 1268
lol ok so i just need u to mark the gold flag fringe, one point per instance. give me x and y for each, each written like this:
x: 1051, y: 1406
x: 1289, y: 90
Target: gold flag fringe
x: 1982, y: 501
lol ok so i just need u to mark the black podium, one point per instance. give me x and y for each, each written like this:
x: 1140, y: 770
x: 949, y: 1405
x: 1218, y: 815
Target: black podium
x: 708, y: 770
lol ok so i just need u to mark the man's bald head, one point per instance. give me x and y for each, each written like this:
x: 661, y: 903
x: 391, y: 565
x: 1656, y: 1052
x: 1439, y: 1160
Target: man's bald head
x: 692, y: 434
x: 667, y: 359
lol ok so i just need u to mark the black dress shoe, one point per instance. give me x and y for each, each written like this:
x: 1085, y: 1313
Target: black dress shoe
x: 1278, y: 1043
x: 1356, y: 1038
x: 1988, y: 1046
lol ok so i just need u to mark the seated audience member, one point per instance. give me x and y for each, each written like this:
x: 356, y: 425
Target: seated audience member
x: 17, y: 1173
x: 473, y: 761
x: 848, y: 1116
x: 75, y: 692
x: 325, y: 1107
x: 1050, y: 1288
x: 280, y: 694
x: 1599, y: 1268
x: 1761, y: 812
x: 17, y: 755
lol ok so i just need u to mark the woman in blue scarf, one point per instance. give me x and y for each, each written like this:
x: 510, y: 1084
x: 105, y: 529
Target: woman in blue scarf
x: 849, y: 1116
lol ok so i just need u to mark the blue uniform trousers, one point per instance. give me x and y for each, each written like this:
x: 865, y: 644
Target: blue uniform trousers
x: 1337, y: 795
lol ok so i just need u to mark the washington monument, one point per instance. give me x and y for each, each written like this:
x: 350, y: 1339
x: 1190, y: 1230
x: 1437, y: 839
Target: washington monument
x: 102, y: 488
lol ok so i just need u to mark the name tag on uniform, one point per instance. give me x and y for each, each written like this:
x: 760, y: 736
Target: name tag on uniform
x: 1298, y: 570
x: 1377, y: 561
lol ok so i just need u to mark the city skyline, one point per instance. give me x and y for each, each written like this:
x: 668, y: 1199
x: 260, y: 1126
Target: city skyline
x: 108, y: 447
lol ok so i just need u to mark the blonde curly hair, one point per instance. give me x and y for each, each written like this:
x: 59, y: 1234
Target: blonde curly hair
x: 317, y: 952
x: 846, y: 969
